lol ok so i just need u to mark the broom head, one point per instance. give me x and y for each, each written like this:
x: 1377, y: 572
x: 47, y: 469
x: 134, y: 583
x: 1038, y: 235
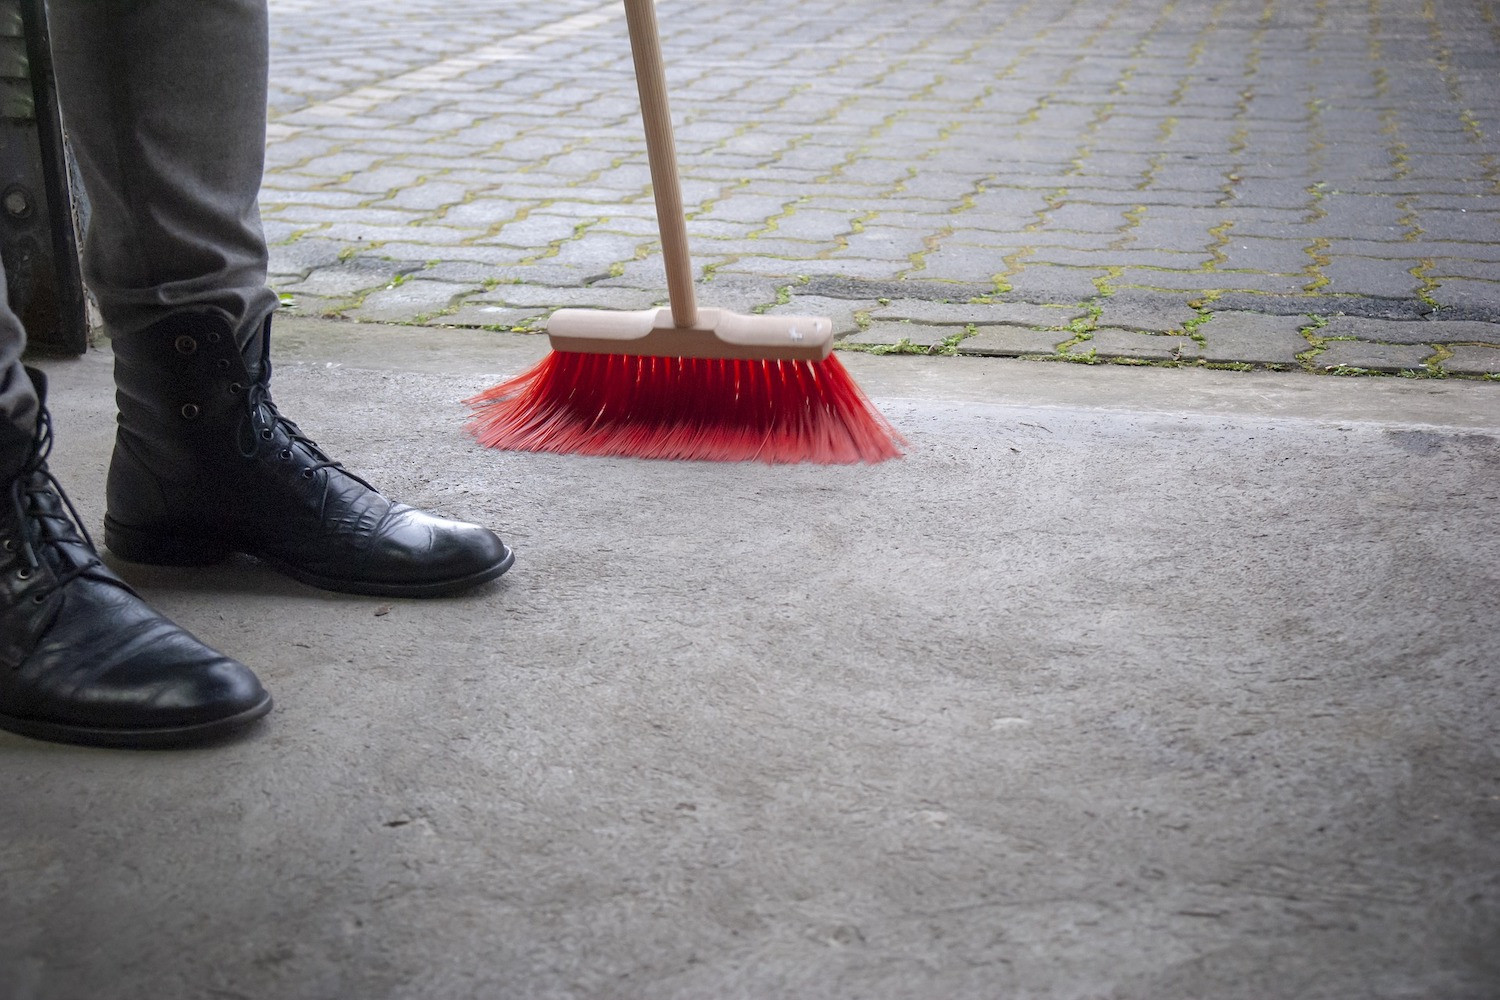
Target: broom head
x: 731, y: 387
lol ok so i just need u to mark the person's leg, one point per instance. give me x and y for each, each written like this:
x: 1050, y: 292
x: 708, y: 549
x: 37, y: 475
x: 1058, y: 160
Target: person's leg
x: 18, y: 404
x: 165, y: 106
x: 82, y: 658
x: 165, y: 101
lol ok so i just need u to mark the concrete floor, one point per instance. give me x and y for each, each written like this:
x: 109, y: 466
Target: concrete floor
x: 1124, y: 683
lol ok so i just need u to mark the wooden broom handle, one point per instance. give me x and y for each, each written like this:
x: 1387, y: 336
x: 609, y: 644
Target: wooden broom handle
x: 661, y: 151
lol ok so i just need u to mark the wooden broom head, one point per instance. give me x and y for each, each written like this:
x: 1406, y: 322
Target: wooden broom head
x: 716, y: 333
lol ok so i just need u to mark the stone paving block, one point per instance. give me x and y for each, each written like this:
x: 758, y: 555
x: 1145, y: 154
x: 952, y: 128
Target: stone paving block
x: 1087, y: 218
x: 272, y: 202
x: 1103, y: 258
x: 1112, y: 343
x: 937, y: 219
x: 1296, y: 304
x: 426, y: 196
x: 297, y: 149
x: 349, y: 277
x: 1418, y: 332
x: 872, y: 270
x: 1260, y: 284
x: 700, y: 228
x: 1370, y: 276
x: 472, y: 273
x: 336, y: 164
x: 988, y: 313
x: 281, y: 233
x: 1444, y: 268
x: 1127, y: 195
x: 381, y: 180
x: 758, y: 246
x: 597, y: 251
x: 362, y: 216
x: 437, y: 238
x: 425, y: 253
x: 1457, y: 202
x: 1473, y: 361
x: 1042, y: 283
x: 1011, y: 341
x: 1481, y: 296
x: 1253, y: 338
x: 1375, y: 357
x: 1182, y: 177
x: 884, y: 243
x: 1172, y: 226
x: 643, y: 228
x: 1395, y: 248
x: 490, y: 316
x: 645, y: 272
x: 737, y: 293
x: 1159, y: 315
x: 961, y: 262
x: 871, y: 290
x: 1039, y: 242
x: 838, y: 311
x: 303, y: 304
x: 1460, y: 226
x: 1134, y: 278
x: 302, y: 255
x: 814, y: 224
x: 743, y: 208
x: 884, y: 173
x: 526, y: 296
x: 405, y: 302
x: 535, y: 231
x: 1115, y: 163
x: 1358, y: 212
x: 890, y: 334
x: 1269, y: 223
x: 363, y: 237
x: 1275, y: 256
x: 542, y: 271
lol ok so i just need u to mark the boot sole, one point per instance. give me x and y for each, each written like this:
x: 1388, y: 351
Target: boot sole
x: 377, y: 588
x: 135, y: 739
x: 151, y: 549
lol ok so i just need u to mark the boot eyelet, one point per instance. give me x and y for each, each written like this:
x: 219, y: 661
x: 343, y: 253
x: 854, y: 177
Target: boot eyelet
x: 9, y: 545
x: 186, y: 345
x: 189, y: 411
x: 307, y: 473
x: 265, y: 434
x: 213, y: 337
x: 234, y: 387
x: 223, y: 364
x: 38, y: 598
x: 285, y: 454
x: 23, y: 574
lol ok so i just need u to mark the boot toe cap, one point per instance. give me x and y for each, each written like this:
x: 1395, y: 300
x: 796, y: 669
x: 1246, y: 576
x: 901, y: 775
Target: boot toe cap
x: 434, y: 554
x: 112, y: 671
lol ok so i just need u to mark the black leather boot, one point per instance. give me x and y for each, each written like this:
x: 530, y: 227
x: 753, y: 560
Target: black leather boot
x: 82, y: 658
x: 205, y: 465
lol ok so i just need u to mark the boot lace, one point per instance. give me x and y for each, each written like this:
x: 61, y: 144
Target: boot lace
x: 45, y: 523
x: 265, y: 419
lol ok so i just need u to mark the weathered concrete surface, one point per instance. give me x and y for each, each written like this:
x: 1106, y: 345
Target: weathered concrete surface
x: 1121, y: 684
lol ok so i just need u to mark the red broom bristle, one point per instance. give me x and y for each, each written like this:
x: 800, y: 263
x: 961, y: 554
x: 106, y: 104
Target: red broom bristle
x: 693, y: 408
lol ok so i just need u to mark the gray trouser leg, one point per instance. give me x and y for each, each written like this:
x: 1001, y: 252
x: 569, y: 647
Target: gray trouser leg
x: 164, y: 102
x: 17, y: 398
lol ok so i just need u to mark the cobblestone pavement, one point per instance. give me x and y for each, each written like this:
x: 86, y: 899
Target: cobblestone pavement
x: 1241, y: 183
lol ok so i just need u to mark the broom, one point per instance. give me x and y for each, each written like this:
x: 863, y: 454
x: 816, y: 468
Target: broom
x: 683, y: 382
